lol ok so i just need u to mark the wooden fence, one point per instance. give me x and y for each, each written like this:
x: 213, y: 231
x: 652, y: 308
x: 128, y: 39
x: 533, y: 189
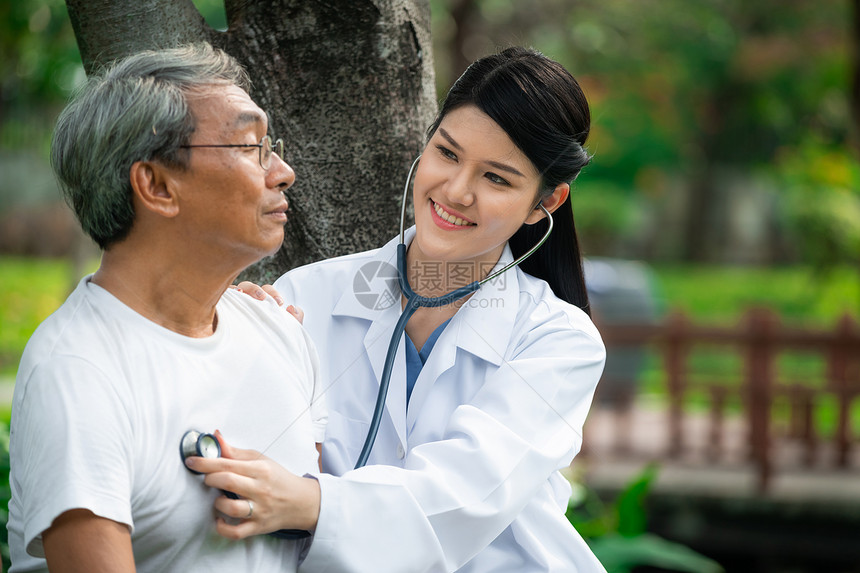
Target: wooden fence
x: 758, y: 339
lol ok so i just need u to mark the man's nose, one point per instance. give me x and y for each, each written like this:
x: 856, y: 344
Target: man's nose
x: 280, y: 174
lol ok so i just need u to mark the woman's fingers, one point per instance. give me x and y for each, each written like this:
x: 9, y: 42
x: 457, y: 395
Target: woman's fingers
x: 241, y: 530
x: 236, y: 508
x: 273, y: 292
x: 232, y: 459
x: 242, y: 485
x: 260, y: 292
x: 252, y: 289
x: 228, y: 451
x: 279, y: 498
x: 297, y: 313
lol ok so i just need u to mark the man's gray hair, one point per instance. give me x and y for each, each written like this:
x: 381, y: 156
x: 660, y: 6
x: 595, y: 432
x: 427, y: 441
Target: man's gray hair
x: 134, y: 110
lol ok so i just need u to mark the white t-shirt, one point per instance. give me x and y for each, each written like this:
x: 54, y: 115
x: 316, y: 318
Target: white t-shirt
x: 102, y: 399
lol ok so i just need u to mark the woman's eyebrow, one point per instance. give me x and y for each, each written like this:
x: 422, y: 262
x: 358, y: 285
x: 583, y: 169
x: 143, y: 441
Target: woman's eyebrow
x: 450, y: 139
x: 506, y: 168
x: 500, y: 166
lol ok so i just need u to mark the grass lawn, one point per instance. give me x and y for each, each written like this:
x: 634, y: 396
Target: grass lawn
x: 31, y: 290
x: 800, y: 295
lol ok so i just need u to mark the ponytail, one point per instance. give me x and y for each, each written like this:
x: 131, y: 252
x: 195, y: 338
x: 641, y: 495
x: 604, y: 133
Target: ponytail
x: 558, y: 260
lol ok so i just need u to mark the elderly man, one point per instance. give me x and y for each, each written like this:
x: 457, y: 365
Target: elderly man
x: 169, y: 167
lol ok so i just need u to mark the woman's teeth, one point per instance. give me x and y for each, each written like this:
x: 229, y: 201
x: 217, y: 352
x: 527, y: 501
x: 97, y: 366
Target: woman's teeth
x: 449, y: 217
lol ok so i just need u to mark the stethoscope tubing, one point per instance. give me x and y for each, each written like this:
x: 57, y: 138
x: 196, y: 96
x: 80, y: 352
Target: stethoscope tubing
x: 413, y: 302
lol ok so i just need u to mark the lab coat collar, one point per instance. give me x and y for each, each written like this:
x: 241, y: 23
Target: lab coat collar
x: 485, y: 321
x: 384, y: 262
x: 483, y: 325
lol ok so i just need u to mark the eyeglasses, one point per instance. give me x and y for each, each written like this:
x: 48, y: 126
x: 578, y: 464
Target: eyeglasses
x: 266, y: 145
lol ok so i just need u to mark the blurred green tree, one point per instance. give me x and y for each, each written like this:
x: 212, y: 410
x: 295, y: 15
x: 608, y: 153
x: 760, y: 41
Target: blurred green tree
x: 39, y: 67
x: 680, y: 91
x: 821, y: 186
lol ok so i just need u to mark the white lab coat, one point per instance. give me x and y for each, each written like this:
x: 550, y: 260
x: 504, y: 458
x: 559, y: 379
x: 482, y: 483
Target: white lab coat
x: 466, y: 478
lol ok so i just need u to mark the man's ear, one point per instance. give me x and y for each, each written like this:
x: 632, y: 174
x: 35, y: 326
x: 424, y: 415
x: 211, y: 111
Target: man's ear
x: 154, y: 189
x: 550, y: 203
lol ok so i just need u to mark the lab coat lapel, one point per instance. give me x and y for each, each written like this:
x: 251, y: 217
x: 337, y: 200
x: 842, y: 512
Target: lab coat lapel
x: 482, y: 327
x: 376, y: 343
x: 487, y: 319
x: 376, y: 340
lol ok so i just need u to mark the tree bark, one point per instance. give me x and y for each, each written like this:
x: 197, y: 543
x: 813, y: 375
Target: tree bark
x: 348, y: 85
x: 110, y: 29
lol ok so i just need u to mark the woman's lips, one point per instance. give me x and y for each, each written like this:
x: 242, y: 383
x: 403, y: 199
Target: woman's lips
x: 452, y: 219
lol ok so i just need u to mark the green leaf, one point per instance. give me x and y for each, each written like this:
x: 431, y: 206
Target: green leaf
x: 630, y: 506
x: 621, y: 554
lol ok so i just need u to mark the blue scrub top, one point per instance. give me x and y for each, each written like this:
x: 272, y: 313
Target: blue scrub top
x: 415, y: 360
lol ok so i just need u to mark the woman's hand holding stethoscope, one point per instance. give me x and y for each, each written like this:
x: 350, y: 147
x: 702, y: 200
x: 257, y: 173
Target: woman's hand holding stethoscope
x: 270, y: 497
x: 260, y: 292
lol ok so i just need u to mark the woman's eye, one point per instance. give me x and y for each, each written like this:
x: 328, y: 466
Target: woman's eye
x: 496, y: 179
x: 447, y: 153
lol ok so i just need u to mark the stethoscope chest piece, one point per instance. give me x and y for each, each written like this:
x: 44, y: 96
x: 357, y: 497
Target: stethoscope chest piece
x: 194, y: 443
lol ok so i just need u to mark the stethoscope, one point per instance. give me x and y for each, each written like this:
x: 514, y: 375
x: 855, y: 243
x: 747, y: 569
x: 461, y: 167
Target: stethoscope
x: 194, y: 443
x: 413, y: 303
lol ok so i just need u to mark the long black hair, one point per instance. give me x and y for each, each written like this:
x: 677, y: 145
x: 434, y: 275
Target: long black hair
x: 543, y: 110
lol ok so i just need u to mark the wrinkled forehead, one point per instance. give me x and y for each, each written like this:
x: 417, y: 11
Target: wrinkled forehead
x: 225, y: 107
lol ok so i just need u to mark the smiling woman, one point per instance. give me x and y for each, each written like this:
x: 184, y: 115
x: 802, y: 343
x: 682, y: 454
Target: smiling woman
x: 473, y: 189
x: 488, y: 397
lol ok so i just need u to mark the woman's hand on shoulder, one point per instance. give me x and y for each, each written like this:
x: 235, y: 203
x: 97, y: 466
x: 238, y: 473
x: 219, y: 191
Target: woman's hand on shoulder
x: 260, y: 292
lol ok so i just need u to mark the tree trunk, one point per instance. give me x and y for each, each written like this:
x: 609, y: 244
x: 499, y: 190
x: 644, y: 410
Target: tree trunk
x: 109, y: 29
x: 348, y: 85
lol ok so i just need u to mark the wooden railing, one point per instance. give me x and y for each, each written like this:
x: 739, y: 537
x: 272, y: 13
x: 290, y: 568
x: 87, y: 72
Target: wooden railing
x: 758, y: 339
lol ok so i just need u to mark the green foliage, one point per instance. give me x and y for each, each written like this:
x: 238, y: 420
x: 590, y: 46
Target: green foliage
x: 620, y: 554
x: 32, y: 290
x: 821, y: 185
x: 617, y: 532
x: 801, y: 295
x: 630, y: 505
x: 213, y: 12
x: 604, y: 213
x: 39, y: 68
x: 5, y: 492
